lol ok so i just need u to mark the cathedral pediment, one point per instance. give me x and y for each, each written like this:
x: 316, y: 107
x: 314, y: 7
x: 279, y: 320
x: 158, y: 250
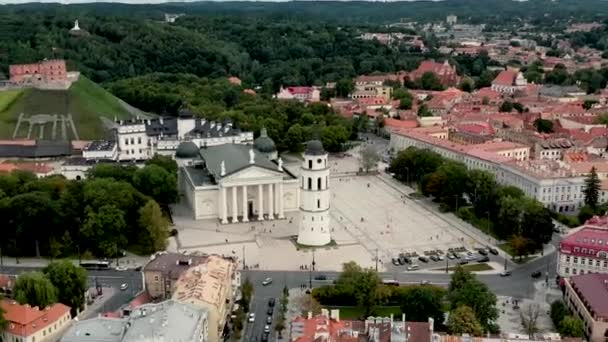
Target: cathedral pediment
x: 253, y: 173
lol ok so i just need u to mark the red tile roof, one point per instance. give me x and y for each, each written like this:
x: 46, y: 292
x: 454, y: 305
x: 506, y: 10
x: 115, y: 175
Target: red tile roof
x: 25, y: 321
x: 418, y: 331
x: 299, y: 90
x: 593, y: 288
x: 394, y: 123
x: 506, y: 78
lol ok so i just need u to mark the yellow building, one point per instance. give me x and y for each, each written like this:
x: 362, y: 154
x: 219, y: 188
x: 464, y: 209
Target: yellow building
x: 211, y: 285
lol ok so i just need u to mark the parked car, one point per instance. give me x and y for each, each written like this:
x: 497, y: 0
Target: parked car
x: 124, y: 286
x: 505, y: 273
x: 456, y: 255
x: 265, y: 337
x: 267, y: 329
x: 269, y: 320
x: 425, y: 282
x: 463, y: 262
x: 483, y: 251
x: 434, y: 258
x: 423, y: 259
x: 536, y: 274
x: 483, y: 259
x: 270, y: 310
x: 251, y: 318
x: 271, y: 302
x: 402, y: 261
x: 493, y: 251
x: 395, y: 262
x: 321, y: 277
x: 440, y: 257
x: 450, y: 256
x: 267, y: 281
x: 413, y: 267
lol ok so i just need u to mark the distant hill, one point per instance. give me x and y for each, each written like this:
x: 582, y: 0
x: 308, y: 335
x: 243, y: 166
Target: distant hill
x: 91, y: 108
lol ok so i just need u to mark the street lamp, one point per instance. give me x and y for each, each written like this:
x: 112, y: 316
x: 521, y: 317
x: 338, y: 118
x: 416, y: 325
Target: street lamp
x: 456, y: 197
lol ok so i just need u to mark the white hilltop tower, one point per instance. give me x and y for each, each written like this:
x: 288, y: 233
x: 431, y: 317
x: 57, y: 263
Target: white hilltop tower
x: 315, y: 196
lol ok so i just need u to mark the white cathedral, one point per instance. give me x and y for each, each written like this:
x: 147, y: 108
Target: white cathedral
x: 242, y: 183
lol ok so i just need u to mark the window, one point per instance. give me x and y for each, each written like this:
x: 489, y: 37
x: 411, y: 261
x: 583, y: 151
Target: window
x: 318, y: 204
x: 574, y: 271
x: 590, y: 262
x: 319, y: 161
x: 318, y: 183
x: 139, y: 140
x: 567, y: 270
x: 309, y: 183
x: 575, y: 260
x: 597, y: 263
x: 126, y: 141
x: 310, y: 164
x: 568, y: 258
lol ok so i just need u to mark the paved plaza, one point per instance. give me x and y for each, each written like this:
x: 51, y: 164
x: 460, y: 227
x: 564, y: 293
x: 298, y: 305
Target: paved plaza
x: 370, y: 216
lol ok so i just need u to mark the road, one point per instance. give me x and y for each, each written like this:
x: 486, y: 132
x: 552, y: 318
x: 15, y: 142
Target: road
x: 518, y: 285
x: 108, y: 278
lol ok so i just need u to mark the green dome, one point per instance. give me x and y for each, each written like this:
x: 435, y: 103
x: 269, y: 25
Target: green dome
x: 187, y: 150
x: 315, y: 148
x: 263, y: 143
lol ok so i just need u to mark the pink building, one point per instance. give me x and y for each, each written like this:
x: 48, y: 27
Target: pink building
x: 303, y: 94
x: 45, y: 71
x: 585, y: 250
x: 444, y: 71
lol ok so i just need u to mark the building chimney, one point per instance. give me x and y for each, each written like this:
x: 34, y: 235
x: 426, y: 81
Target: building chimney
x: 309, y: 314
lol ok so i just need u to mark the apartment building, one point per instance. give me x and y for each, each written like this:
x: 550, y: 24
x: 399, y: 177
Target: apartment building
x: 587, y: 297
x: 585, y: 249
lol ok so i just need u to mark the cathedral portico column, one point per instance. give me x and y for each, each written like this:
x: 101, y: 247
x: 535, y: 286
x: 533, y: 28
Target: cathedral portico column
x: 235, y: 212
x: 245, y: 206
x: 281, y: 204
x: 224, y: 209
x: 270, y: 202
x: 260, y: 202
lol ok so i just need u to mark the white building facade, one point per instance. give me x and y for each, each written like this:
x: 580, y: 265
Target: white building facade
x: 235, y: 183
x: 315, y: 196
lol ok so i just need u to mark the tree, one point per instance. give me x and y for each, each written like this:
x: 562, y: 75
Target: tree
x: 466, y: 85
x: 362, y: 284
x: 368, y: 158
x: 519, y: 245
x: 506, y: 106
x: 537, y: 224
x: 344, y: 87
x: 156, y: 182
x: 587, y: 104
x: 333, y: 137
x: 294, y: 138
x: 462, y: 320
x: 585, y: 213
x: 543, y: 126
x: 154, y: 228
x: 557, y: 312
x: 246, y: 294
x: 167, y: 163
x: 424, y: 111
x: 465, y: 289
x: 430, y: 81
x: 70, y: 282
x: 419, y: 303
x: 106, y: 170
x: 529, y: 319
x: 35, y: 289
x: 106, y: 227
x: 592, y: 189
x: 405, y: 98
x: 306, y: 303
x: 572, y: 326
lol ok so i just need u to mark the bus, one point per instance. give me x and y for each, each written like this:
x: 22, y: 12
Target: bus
x: 95, y: 265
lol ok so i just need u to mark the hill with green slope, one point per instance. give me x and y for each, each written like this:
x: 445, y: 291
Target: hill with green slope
x: 87, y: 103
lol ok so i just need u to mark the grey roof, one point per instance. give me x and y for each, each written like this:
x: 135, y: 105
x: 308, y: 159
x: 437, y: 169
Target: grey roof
x: 168, y: 321
x: 101, y: 329
x: 264, y: 143
x: 235, y: 158
x: 186, y: 149
x: 173, y: 264
x: 199, y: 175
x: 558, y: 91
x: 101, y: 145
x: 165, y: 125
x: 42, y: 149
x: 315, y: 148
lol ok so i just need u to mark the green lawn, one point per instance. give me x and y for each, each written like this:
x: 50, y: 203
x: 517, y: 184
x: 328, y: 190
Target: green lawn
x: 353, y: 312
x: 473, y: 267
x: 520, y: 260
x: 86, y: 101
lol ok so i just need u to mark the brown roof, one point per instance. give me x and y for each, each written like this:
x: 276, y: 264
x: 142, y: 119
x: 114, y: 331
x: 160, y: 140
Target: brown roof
x: 506, y: 78
x: 592, y: 288
x: 173, y: 264
x: 418, y: 331
x: 25, y: 320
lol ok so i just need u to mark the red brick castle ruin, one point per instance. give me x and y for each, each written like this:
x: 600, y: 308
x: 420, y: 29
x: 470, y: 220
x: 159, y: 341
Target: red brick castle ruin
x: 47, y: 71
